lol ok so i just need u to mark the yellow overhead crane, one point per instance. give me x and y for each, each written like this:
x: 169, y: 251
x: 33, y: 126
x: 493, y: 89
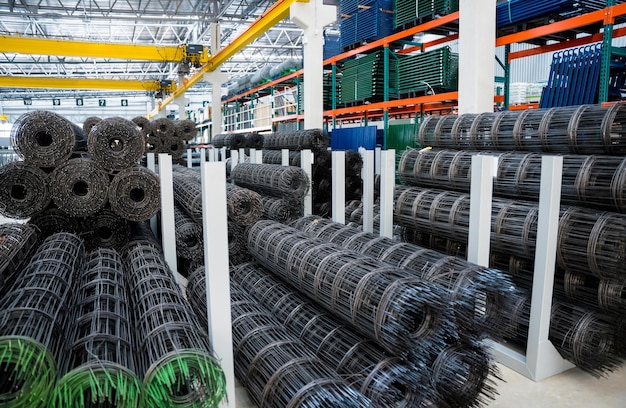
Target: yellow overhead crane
x: 78, y: 83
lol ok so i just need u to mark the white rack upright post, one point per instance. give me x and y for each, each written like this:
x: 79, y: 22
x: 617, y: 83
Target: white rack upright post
x: 367, y: 174
x: 306, y: 164
x: 387, y: 187
x: 481, y: 192
x: 151, y: 162
x: 189, y: 158
x: 259, y: 156
x: 223, y: 154
x: 234, y: 159
x: 215, y: 233
x: 377, y: 160
x: 242, y: 155
x: 285, y: 157
x: 253, y: 156
x: 339, y: 186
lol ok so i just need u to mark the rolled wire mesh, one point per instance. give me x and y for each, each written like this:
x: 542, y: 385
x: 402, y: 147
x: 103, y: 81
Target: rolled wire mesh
x: 461, y: 131
x: 502, y: 132
x: 603, y: 295
x: 383, y: 302
x: 276, y: 157
x: 237, y: 238
x: 481, y: 131
x: 52, y: 220
x: 24, y: 190
x: 79, y: 187
x: 281, y: 210
x: 233, y: 141
x: 31, y: 322
x: 254, y: 140
x: 115, y: 144
x: 90, y: 122
x: 135, y: 193
x: 276, y: 368
x: 554, y: 130
x: 314, y: 139
x: 154, y: 144
x: 173, y: 354
x: 99, y: 368
x: 526, y: 133
x: 143, y: 124
x: 17, y: 241
x: 354, y: 163
x: 163, y: 128
x: 42, y: 138
x: 185, y: 129
x: 105, y: 229
x: 598, y: 130
x: 385, y: 380
x: 188, y: 236
x: 173, y: 146
x: 279, y: 181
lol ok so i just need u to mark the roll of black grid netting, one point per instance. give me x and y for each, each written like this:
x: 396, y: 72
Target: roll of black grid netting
x: 17, y: 241
x: 461, y: 132
x: 354, y: 163
x: 185, y: 129
x: 254, y: 140
x: 354, y: 188
x: 314, y: 139
x: 105, y: 229
x: 233, y: 141
x: 188, y: 236
x: 31, y: 322
x: 603, y: 295
x: 116, y: 144
x: 276, y: 368
x: 135, y: 193
x: 585, y: 338
x: 237, y: 238
x: 481, y: 131
x: 281, y: 210
x: 386, y: 380
x: 143, y: 124
x: 42, y: 138
x: 52, y: 220
x: 154, y: 144
x: 79, y: 187
x: 188, y: 194
x: 163, y: 128
x: 24, y: 190
x: 174, y: 356
x: 276, y: 157
x: 244, y: 206
x: 480, y: 297
x: 99, y: 367
x: 526, y: 132
x: 554, y: 130
x: 271, y: 179
x: 89, y: 123
x: 385, y: 303
x: 173, y: 146
x: 598, y: 130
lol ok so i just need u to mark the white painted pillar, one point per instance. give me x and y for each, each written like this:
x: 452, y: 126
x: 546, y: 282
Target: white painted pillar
x: 477, y: 50
x: 215, y: 233
x: 481, y: 192
x: 339, y: 186
x: 216, y: 79
x: 203, y: 157
x: 223, y: 154
x: 306, y: 164
x: 181, y: 101
x: 377, y: 159
x: 312, y: 17
x: 259, y: 156
x: 234, y: 159
x: 253, y: 156
x: 367, y: 174
x: 285, y: 157
x: 387, y: 187
x: 189, y: 158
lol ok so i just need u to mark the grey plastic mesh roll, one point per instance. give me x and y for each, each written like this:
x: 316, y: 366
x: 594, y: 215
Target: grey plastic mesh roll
x: 189, y: 241
x: 115, y: 144
x: 185, y: 129
x: 163, y: 128
x: 79, y: 187
x: 279, y: 181
x: 314, y: 139
x: 16, y: 243
x: 135, y: 194
x: 24, y: 190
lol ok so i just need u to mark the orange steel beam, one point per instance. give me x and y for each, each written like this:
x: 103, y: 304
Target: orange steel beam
x: 605, y: 15
x: 618, y: 32
x: 395, y: 103
x: 265, y: 85
x: 429, y: 44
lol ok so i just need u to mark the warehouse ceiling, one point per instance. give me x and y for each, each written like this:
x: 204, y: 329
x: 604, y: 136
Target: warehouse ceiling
x: 149, y: 22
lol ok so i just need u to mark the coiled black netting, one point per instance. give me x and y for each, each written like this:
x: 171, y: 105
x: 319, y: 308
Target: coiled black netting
x: 105, y: 229
x: 281, y: 210
x: 115, y: 144
x: 277, y: 369
x: 480, y: 297
x: 99, y: 367
x: 24, y: 190
x: 254, y: 140
x: 42, y: 138
x: 174, y: 146
x: 188, y: 236
x: 385, y: 380
x: 89, y: 123
x: 385, y: 303
x: 31, y: 321
x: 270, y: 179
x: 154, y: 144
x: 135, y: 193
x: 173, y: 353
x: 52, y: 220
x: 232, y: 141
x: 163, y: 128
x: 185, y: 129
x: 585, y: 129
x: 17, y: 241
x: 314, y: 139
x: 79, y: 187
x: 276, y: 157
x: 237, y: 240
x: 143, y: 124
x: 590, y: 181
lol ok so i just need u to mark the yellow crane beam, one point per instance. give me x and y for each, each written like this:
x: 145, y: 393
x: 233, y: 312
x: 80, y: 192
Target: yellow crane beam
x: 65, y: 48
x: 77, y: 83
x: 273, y: 15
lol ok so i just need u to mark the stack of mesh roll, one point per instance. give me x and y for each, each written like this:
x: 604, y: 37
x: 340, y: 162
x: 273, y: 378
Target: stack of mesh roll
x: 313, y: 139
x: 276, y: 368
x: 254, y: 140
x: 189, y: 240
x: 173, y: 354
x: 164, y: 135
x: 231, y: 141
x: 99, y: 367
x: 17, y: 241
x: 32, y: 322
x: 276, y: 157
x: 322, y: 180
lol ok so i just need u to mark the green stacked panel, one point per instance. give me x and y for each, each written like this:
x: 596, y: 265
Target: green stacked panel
x: 431, y: 71
x: 363, y: 78
x: 401, y: 137
x: 328, y: 89
x: 410, y: 11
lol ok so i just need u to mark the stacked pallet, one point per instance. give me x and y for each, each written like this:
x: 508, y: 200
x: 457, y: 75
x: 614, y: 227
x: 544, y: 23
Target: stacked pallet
x: 363, y: 78
x: 430, y: 71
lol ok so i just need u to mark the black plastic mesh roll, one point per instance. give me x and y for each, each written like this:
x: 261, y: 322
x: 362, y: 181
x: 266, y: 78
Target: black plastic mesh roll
x: 603, y: 295
x: 276, y: 368
x: 154, y: 144
x: 354, y: 163
x: 52, y: 220
x: 244, y: 206
x: 386, y: 380
x: 79, y: 187
x: 188, y: 236
x: 24, y: 190
x: 31, y: 321
x: 115, y: 144
x: 281, y: 210
x: 89, y: 123
x: 276, y: 157
x: 385, y: 303
x: 144, y: 124
x: 271, y: 179
x: 314, y: 139
x: 106, y: 229
x: 99, y: 367
x: 173, y: 354
x: 185, y: 129
x: 254, y: 140
x: 42, y: 138
x: 17, y: 241
x: 174, y: 146
x: 163, y: 128
x: 233, y: 141
x: 135, y: 194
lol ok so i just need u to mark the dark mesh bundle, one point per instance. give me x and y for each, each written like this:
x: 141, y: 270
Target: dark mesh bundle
x: 254, y: 140
x: 135, y: 194
x: 24, y: 190
x: 89, y: 123
x: 163, y: 128
x: 279, y: 181
x: 233, y: 141
x: 79, y: 187
x: 116, y: 144
x: 16, y: 243
x: 185, y: 129
x: 314, y: 139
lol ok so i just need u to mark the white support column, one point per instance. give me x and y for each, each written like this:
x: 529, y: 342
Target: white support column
x: 181, y: 101
x: 312, y: 17
x: 253, y: 156
x: 339, y: 186
x: 387, y: 187
x: 189, y: 158
x: 477, y: 48
x: 478, y: 244
x: 203, y: 157
x: 234, y: 159
x: 377, y: 159
x: 151, y: 162
x: 216, y: 79
x: 367, y: 174
x: 242, y: 155
x: 215, y: 233
x: 306, y: 164
x: 168, y: 224
x: 259, y: 156
x: 285, y: 157
x: 223, y: 154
